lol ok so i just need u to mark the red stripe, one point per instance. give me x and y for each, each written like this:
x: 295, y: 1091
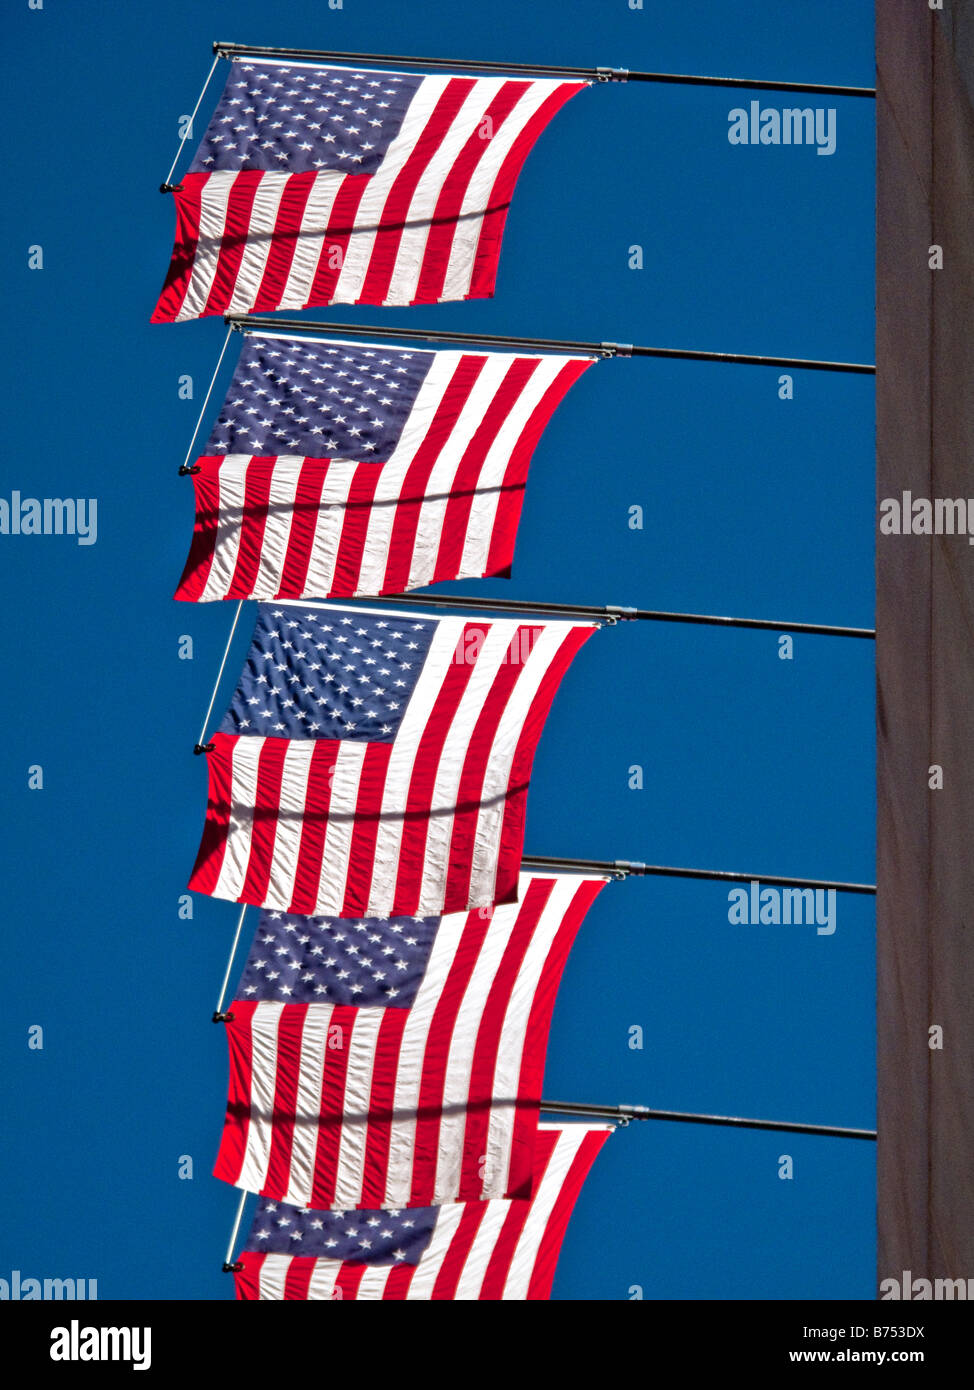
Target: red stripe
x: 512, y: 830
x: 456, y: 515
x: 284, y: 240
x: 539, y: 1022
x: 297, y: 1281
x: 489, y: 246
x: 546, y: 1259
x: 341, y: 224
x: 381, y: 1106
x: 436, y: 1056
x: 206, y: 485
x: 250, y: 537
x: 305, y: 510
x: 348, y: 1279
x: 360, y: 861
x: 445, y: 1285
x: 289, y: 1034
x: 508, y: 514
x: 213, y: 845
x: 397, y: 1285
x: 436, y: 258
x: 482, y: 1072
x: 267, y: 806
x: 233, y: 240
x: 332, y: 1105
x: 233, y: 1144
x: 247, y: 1280
x: 188, y: 202
x: 419, y: 798
x: 395, y: 211
x: 471, y: 786
x: 355, y: 526
x: 314, y: 825
x: 412, y: 494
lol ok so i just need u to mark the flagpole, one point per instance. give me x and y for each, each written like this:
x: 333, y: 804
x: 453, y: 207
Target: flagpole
x: 218, y: 1015
x: 167, y: 186
x: 625, y: 868
x: 599, y: 74
x: 258, y: 322
x: 228, y: 1265
x: 200, y: 746
x: 610, y: 613
x: 624, y: 1114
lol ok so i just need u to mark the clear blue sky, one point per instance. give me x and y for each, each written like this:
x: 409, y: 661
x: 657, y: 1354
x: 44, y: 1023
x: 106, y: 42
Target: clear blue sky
x: 752, y: 506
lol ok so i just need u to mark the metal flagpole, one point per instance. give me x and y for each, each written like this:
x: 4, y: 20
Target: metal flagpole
x: 243, y: 50
x: 218, y: 1015
x: 184, y: 467
x: 200, y: 746
x: 625, y: 868
x: 610, y: 613
x: 168, y: 186
x: 623, y: 1114
x: 257, y: 322
x: 228, y: 1266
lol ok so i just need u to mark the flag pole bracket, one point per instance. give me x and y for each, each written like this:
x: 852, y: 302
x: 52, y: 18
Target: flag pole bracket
x: 232, y: 1268
x: 222, y: 1017
x: 199, y: 748
x: 170, y: 188
x: 612, y: 74
x: 186, y: 469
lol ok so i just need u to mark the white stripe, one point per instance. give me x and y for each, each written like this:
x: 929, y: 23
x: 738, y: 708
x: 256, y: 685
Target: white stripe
x: 214, y: 198
x: 244, y: 757
x: 232, y: 483
x: 272, y: 1278
x: 328, y: 527
x: 548, y: 1191
x: 443, y: 477
x: 483, y: 510
x: 350, y: 1170
x: 431, y: 1261
x: 513, y: 1033
x: 385, y: 873
x: 414, y: 432
x: 489, y: 662
x: 307, y: 1101
x: 477, y: 198
x: 289, y: 820
x: 307, y: 250
x: 456, y: 1089
x: 323, y: 1280
x: 264, y: 1024
x: 358, y: 254
x: 471, y: 1280
x: 257, y: 246
x: 277, y: 526
x: 411, y: 254
x: 338, y: 834
x: 412, y: 1056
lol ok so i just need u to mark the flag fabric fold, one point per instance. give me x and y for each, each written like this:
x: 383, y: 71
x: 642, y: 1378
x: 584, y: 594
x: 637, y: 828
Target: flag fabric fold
x: 338, y: 470
x: 376, y: 763
x: 397, y: 1063
x: 333, y: 185
x: 496, y: 1250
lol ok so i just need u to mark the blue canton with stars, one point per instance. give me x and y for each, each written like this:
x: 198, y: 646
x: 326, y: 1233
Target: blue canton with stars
x: 360, y: 1237
x: 322, y: 400
x: 302, y: 120
x: 365, y: 962
x: 334, y: 673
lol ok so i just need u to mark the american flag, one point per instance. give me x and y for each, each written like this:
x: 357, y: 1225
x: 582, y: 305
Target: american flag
x: 376, y: 763
x: 380, y: 1063
x: 440, y: 444
x: 496, y: 1250
x: 332, y: 185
